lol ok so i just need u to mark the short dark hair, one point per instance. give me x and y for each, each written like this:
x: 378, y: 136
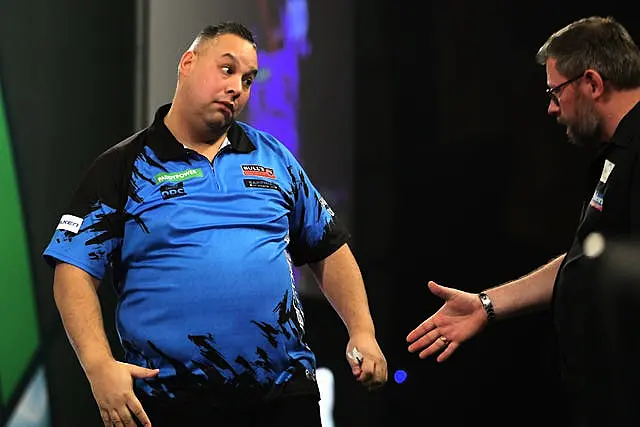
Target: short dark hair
x: 598, y: 43
x: 210, y: 32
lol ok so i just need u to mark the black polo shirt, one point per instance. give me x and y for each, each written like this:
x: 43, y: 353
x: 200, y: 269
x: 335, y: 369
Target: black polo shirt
x: 590, y: 315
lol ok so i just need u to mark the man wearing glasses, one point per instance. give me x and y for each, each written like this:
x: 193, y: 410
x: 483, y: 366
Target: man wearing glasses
x: 593, y: 74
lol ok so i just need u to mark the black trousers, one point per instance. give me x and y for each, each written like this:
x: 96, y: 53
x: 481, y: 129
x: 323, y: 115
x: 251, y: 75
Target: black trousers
x: 285, y: 411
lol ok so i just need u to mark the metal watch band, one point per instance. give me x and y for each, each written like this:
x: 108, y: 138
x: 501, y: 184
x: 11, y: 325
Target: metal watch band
x: 487, y: 305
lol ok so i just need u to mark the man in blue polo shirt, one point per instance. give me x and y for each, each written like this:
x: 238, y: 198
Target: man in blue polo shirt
x: 201, y: 219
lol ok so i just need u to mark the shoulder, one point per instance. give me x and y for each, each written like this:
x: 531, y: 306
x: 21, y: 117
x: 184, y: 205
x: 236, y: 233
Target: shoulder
x: 109, y: 173
x: 128, y: 147
x: 120, y: 155
x: 266, y: 141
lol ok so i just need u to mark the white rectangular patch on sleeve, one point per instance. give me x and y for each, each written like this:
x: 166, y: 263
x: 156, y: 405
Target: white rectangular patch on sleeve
x: 70, y: 223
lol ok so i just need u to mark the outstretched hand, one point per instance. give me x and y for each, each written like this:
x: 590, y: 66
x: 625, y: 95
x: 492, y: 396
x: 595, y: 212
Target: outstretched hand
x: 458, y: 319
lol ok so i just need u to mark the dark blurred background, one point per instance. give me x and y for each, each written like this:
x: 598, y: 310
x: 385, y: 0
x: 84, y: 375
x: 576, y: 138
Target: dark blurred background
x: 455, y: 173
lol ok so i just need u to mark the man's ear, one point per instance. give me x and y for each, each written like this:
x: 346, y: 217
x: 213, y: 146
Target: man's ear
x: 595, y: 81
x: 186, y: 62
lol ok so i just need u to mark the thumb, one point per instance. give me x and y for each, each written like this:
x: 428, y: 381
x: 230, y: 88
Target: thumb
x: 355, y: 360
x: 438, y: 290
x: 140, y: 372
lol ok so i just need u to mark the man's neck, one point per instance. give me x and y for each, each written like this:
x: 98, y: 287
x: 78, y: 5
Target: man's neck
x: 621, y: 104
x: 204, y: 142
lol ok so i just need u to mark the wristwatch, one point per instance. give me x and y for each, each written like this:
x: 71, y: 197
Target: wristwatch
x: 487, y: 305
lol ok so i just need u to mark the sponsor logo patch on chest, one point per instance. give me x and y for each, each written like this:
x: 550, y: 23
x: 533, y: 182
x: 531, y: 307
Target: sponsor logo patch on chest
x: 606, y: 171
x: 257, y: 170
x: 169, y: 191
x: 597, y: 201
x: 261, y: 183
x: 178, y: 176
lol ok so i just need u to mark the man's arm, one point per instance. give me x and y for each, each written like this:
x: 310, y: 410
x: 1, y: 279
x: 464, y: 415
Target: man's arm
x: 76, y: 297
x: 75, y: 294
x: 527, y: 293
x: 340, y: 280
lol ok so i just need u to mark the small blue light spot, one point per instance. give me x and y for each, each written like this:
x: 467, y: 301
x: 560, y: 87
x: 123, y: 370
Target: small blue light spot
x: 400, y: 376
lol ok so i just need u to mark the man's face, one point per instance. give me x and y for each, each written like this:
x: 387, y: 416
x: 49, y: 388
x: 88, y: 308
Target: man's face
x: 571, y: 106
x: 216, y: 78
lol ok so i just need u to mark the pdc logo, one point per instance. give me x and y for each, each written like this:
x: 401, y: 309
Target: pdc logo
x: 170, y: 191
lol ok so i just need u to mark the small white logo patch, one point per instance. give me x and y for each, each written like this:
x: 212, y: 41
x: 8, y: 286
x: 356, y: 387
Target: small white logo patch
x: 326, y: 206
x: 70, y: 223
x: 606, y: 171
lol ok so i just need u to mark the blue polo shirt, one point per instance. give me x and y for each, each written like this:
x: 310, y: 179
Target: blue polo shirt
x: 202, y: 256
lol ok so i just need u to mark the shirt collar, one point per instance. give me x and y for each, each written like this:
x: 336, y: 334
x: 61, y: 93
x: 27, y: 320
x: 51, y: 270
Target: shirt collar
x: 628, y: 128
x: 167, y: 147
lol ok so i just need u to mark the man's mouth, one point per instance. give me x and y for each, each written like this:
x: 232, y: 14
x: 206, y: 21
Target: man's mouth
x: 227, y: 105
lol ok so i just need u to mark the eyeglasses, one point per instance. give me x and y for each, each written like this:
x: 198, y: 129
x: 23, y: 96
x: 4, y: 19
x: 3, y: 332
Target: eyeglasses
x: 554, y: 92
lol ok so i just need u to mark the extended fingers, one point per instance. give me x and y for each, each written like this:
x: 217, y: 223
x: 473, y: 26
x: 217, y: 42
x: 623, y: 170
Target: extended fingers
x: 425, y: 341
x: 134, y: 409
x: 431, y: 343
x: 114, y: 415
x: 123, y: 415
x: 422, y: 329
x: 446, y: 351
x: 139, y: 413
x: 106, y: 418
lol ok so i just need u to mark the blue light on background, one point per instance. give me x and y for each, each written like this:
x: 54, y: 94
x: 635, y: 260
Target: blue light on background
x: 400, y: 376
